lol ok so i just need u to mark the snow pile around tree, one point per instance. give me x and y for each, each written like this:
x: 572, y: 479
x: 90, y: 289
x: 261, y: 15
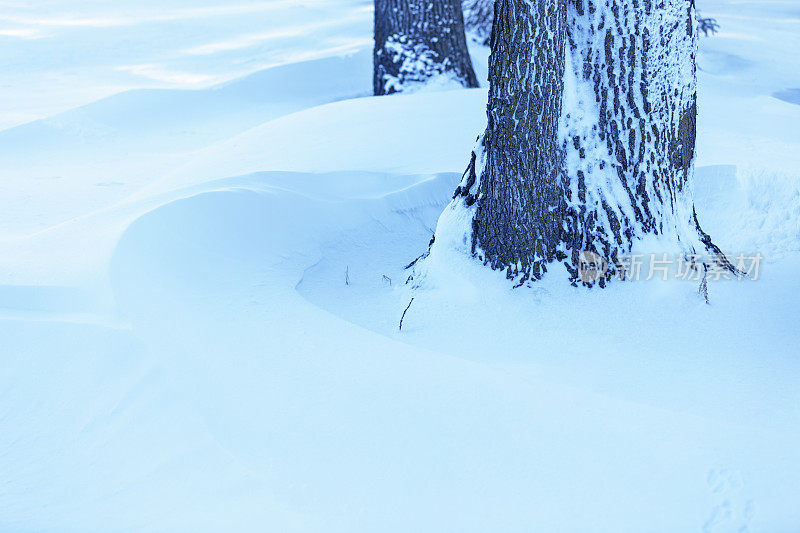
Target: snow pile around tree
x: 619, y: 170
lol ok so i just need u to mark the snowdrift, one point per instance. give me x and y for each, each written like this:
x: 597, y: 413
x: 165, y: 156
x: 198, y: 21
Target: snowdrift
x: 89, y: 158
x: 331, y: 417
x: 206, y: 338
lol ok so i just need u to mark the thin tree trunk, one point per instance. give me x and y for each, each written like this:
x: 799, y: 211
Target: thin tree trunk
x: 416, y: 40
x: 590, y: 138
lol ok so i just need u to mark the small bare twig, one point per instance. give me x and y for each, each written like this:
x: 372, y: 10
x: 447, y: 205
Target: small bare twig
x: 347, y: 275
x: 404, y: 315
x: 424, y: 255
x: 387, y: 278
x: 707, y: 25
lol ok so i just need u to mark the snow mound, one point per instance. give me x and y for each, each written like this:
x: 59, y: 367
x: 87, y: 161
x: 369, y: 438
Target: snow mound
x: 789, y: 95
x: 416, y: 133
x: 243, y: 227
x: 750, y: 209
x: 449, y: 399
x: 333, y: 137
x: 194, y: 117
x: 93, y: 156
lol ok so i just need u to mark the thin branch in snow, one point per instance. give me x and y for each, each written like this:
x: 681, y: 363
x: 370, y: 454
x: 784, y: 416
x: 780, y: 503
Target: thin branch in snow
x: 404, y: 314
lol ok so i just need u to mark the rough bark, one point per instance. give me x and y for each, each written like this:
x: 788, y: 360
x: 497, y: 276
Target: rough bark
x: 416, y: 40
x: 515, y: 225
x: 590, y: 138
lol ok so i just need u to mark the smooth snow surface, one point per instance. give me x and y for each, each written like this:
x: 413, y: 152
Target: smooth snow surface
x: 201, y: 286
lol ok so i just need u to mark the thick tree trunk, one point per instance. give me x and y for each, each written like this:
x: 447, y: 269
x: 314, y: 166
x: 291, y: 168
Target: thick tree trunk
x: 590, y: 138
x: 519, y: 197
x: 416, y: 40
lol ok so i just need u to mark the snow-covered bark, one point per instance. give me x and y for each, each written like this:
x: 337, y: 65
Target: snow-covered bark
x: 478, y: 17
x: 416, y: 40
x: 590, y: 139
